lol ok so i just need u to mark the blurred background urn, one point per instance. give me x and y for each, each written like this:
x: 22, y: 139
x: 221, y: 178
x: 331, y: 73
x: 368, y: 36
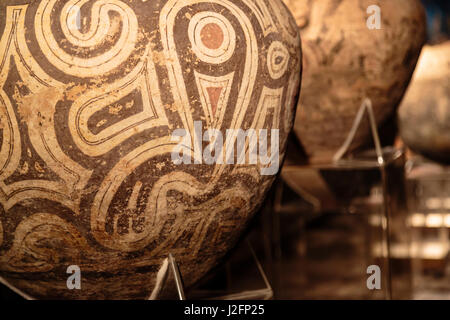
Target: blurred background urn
x: 353, y: 49
x: 90, y: 94
x: 424, y: 115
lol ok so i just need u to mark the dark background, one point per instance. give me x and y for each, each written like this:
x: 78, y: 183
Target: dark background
x: 438, y: 20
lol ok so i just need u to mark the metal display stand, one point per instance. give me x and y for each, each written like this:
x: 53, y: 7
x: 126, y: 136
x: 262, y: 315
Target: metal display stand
x: 265, y: 292
x: 169, y: 265
x: 340, y: 163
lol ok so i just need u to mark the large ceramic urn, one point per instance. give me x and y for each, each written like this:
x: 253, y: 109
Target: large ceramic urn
x: 424, y: 115
x: 123, y: 128
x: 352, y: 50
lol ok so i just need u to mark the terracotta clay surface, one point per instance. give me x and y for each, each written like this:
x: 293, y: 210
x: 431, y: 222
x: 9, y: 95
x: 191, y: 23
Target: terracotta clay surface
x: 424, y: 115
x: 345, y: 61
x: 90, y: 94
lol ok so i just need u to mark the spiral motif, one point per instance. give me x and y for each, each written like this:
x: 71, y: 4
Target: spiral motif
x: 100, y: 27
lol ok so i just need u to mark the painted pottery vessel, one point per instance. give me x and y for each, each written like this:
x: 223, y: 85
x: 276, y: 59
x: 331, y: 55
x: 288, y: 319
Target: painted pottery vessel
x: 347, y: 58
x: 95, y: 98
x: 424, y: 115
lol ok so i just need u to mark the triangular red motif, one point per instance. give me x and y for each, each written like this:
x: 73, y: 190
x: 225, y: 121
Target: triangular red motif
x: 214, y: 95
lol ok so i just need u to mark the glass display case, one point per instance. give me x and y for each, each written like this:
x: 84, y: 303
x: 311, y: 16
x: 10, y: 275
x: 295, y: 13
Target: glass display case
x: 428, y: 195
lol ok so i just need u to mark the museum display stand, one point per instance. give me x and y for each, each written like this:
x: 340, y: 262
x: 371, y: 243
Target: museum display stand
x: 241, y: 277
x: 381, y: 167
